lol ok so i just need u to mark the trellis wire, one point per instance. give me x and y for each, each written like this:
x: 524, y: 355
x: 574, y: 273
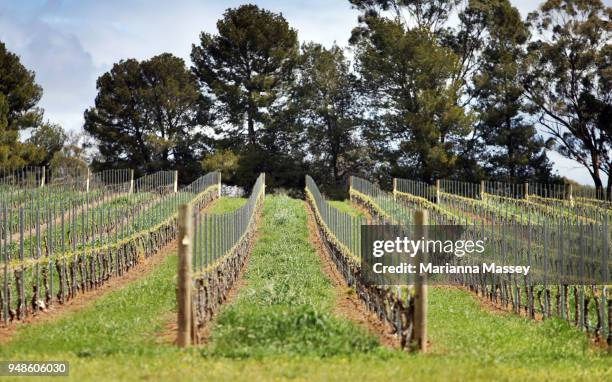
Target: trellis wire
x: 591, y: 194
x: 468, y: 190
x: 119, y: 179
x: 509, y: 190
x: 345, y: 227
x: 64, y: 174
x: 85, y: 241
x: 221, y: 243
x: 386, y: 210
x: 161, y: 182
x: 25, y: 177
x: 341, y: 234
x: 417, y: 188
x: 15, y: 184
x: 536, y: 201
x: 45, y: 202
x: 566, y: 239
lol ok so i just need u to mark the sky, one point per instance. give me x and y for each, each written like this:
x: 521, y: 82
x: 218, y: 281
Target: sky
x: 70, y: 43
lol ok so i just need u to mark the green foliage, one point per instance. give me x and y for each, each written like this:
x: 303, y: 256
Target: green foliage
x: 19, y: 95
x: 50, y: 138
x: 326, y: 100
x: 145, y: 116
x: 430, y: 15
x: 246, y: 66
x: 72, y: 158
x: 20, y: 91
x: 286, y: 307
x: 569, y: 82
x: 226, y: 161
x: 515, y: 151
x: 283, y: 166
x: 413, y: 88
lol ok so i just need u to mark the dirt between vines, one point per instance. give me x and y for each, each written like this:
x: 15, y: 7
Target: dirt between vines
x: 83, y: 300
x: 348, y: 304
x: 209, y: 206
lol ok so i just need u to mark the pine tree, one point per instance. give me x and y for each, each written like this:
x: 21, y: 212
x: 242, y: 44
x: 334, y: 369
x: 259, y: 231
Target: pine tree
x: 515, y: 150
x: 246, y: 68
x: 147, y: 116
x: 19, y: 95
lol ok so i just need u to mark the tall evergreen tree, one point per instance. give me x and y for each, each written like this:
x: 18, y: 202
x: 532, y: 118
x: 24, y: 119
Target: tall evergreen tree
x: 515, y: 150
x: 414, y: 90
x: 50, y: 139
x: 147, y: 115
x: 246, y: 68
x: 19, y: 95
x: 326, y: 96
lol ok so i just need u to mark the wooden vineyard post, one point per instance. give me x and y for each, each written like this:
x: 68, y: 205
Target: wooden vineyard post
x: 219, y: 184
x: 175, y: 181
x: 394, y: 188
x: 420, y: 295
x: 437, y: 191
x: 185, y: 226
x: 609, y: 339
x: 569, y: 194
x: 131, y: 182
x: 526, y: 191
x: 87, y: 181
x: 482, y: 190
x: 43, y: 176
x: 263, y: 174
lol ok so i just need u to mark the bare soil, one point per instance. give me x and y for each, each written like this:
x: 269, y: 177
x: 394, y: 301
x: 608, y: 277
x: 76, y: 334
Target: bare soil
x: 348, y: 304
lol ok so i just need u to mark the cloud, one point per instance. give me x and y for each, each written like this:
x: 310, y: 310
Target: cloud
x: 63, y: 67
x: 70, y: 43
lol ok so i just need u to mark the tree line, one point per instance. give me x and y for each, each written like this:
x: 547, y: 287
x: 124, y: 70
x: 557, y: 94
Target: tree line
x: 425, y: 90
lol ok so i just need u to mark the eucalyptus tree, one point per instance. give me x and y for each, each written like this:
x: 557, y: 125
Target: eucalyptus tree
x: 568, y: 80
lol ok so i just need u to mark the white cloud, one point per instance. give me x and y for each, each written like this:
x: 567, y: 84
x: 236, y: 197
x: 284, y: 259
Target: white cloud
x: 62, y: 66
x: 69, y: 43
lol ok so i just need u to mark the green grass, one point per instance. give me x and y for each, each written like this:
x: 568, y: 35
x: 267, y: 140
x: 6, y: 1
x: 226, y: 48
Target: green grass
x: 287, y: 305
x: 123, y: 321
x: 226, y: 204
x: 347, y: 207
x: 280, y: 328
x: 461, y: 328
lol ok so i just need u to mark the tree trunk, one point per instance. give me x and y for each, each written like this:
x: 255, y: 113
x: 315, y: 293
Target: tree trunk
x: 251, y: 129
x: 510, y: 146
x: 599, y: 189
x: 144, y: 151
x: 333, y: 147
